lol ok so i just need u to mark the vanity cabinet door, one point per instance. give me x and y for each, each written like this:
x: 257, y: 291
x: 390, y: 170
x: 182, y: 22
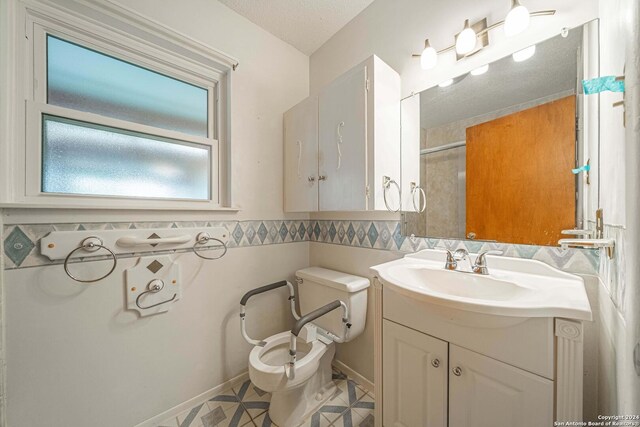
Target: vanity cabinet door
x: 414, y: 378
x: 343, y: 143
x: 301, y: 157
x: 486, y: 393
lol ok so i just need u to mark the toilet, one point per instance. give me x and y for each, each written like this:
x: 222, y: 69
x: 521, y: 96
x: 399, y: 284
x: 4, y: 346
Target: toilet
x: 296, y: 395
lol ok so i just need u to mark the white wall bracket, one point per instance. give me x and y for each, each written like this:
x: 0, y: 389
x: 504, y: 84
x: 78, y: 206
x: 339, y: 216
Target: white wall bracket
x: 153, y: 285
x: 58, y: 244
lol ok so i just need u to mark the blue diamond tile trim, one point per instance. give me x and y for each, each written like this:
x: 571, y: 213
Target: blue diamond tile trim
x: 250, y: 233
x: 398, y: 237
x: 361, y: 234
x: 283, y: 231
x: 273, y: 233
x: 332, y: 231
x: 237, y: 234
x: 372, y: 234
x: 341, y: 233
x: 262, y: 232
x: 351, y: 233
x: 385, y: 235
x: 17, y: 246
x: 19, y: 241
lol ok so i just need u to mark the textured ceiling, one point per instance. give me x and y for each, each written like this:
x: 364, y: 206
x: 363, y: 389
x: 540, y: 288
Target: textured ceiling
x: 305, y: 24
x: 553, y: 69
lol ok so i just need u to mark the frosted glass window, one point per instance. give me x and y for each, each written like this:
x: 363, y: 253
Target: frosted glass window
x: 85, y: 80
x: 82, y: 158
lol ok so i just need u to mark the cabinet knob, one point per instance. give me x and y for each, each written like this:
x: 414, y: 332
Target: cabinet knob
x: 457, y: 371
x: 311, y: 178
x: 435, y: 363
x: 322, y: 177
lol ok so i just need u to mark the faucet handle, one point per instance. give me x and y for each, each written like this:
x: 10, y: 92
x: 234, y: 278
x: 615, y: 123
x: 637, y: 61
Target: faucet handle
x: 451, y: 263
x: 480, y: 265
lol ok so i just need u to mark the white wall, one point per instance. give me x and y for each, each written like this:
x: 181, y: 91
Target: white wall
x: 619, y: 349
x: 74, y: 356
x: 395, y: 29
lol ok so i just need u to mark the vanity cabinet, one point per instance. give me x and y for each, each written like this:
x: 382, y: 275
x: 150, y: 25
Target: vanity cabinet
x: 429, y: 382
x: 486, y: 392
x: 340, y: 146
x: 415, y: 378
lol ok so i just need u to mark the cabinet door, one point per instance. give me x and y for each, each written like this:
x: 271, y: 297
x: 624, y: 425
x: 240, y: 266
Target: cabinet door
x: 301, y: 157
x: 486, y: 393
x: 414, y: 378
x: 343, y: 143
x: 410, y: 151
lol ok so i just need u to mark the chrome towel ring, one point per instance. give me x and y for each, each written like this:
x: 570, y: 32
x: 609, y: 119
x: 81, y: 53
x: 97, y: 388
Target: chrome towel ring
x: 417, y: 189
x: 154, y: 286
x: 204, y: 238
x: 386, y: 184
x: 90, y: 244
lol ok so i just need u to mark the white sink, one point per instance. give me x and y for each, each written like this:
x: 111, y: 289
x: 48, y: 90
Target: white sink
x: 514, y: 287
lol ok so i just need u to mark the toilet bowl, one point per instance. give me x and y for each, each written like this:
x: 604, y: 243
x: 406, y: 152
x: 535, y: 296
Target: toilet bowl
x: 295, y: 366
x: 293, y: 400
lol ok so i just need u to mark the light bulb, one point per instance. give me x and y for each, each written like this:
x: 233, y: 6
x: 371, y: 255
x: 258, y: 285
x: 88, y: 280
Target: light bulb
x: 524, y: 54
x: 517, y: 19
x: 429, y: 57
x: 480, y: 70
x: 466, y: 40
x: 446, y: 83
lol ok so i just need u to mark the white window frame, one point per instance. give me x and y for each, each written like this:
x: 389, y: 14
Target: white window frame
x: 25, y: 188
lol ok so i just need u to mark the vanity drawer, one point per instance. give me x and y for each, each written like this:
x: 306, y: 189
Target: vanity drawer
x: 527, y: 343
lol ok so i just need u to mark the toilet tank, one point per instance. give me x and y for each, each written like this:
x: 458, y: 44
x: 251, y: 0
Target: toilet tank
x: 320, y: 286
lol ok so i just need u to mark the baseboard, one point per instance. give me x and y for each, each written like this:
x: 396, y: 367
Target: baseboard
x: 173, y: 412
x: 353, y: 374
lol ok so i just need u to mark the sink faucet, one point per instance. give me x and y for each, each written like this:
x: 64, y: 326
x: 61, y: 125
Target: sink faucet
x: 454, y: 257
x: 480, y: 265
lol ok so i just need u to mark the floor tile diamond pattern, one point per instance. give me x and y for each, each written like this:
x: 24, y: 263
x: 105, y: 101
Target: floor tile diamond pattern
x: 246, y: 405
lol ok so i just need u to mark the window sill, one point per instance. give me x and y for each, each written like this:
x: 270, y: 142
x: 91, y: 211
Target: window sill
x: 118, y: 207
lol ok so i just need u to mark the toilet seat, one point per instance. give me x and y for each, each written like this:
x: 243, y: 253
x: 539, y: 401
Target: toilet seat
x: 267, y: 363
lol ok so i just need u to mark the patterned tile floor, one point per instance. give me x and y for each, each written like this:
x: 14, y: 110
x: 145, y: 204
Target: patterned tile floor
x: 246, y: 405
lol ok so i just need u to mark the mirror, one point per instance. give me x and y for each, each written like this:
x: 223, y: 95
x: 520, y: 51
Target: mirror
x: 491, y: 155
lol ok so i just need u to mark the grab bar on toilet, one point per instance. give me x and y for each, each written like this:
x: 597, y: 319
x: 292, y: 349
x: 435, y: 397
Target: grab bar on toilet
x: 265, y: 288
x: 310, y: 317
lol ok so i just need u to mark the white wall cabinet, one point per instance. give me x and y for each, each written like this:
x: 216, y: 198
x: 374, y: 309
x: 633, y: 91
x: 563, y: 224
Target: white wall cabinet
x: 301, y: 157
x: 435, y: 382
x: 357, y: 122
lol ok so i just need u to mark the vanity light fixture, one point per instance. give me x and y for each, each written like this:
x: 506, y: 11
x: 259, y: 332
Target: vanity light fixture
x: 475, y: 37
x: 480, y: 70
x: 467, y: 39
x: 517, y: 19
x: 524, y: 54
x: 429, y: 56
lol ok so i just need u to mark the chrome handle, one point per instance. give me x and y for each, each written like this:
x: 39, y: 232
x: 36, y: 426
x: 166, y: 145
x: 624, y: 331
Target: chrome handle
x: 471, y: 235
x: 457, y: 371
x: 311, y: 178
x: 435, y: 363
x: 322, y: 177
